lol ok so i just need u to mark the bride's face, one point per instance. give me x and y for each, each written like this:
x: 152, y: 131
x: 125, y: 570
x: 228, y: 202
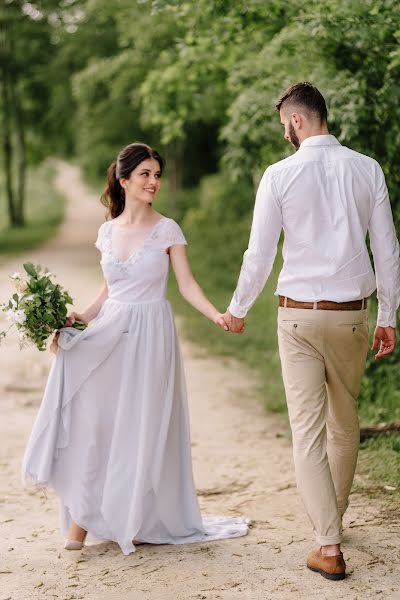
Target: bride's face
x: 144, y: 182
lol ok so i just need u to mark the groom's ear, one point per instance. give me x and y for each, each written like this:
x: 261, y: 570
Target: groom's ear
x: 296, y: 120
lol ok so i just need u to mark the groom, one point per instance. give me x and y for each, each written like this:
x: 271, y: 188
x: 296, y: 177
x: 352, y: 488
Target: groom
x: 325, y: 197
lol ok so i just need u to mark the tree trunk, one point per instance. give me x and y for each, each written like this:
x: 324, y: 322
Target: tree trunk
x: 21, y: 162
x: 6, y: 119
x: 381, y: 428
x: 7, y: 145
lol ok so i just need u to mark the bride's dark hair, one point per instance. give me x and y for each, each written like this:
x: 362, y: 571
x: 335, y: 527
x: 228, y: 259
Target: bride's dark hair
x: 128, y: 159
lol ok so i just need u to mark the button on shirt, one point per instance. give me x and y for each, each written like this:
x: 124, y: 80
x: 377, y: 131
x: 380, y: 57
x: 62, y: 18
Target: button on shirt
x: 326, y: 198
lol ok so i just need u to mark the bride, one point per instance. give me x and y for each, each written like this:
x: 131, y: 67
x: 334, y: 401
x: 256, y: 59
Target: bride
x: 112, y: 433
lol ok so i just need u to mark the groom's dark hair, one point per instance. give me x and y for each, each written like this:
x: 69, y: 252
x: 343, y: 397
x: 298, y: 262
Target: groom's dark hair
x: 304, y: 95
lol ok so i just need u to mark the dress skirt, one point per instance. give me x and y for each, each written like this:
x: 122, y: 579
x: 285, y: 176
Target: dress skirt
x: 112, y: 434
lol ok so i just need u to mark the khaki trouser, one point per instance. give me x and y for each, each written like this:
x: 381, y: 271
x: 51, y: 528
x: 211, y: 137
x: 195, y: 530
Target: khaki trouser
x: 323, y: 356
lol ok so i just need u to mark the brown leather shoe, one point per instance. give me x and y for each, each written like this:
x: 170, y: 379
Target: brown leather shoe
x: 330, y: 567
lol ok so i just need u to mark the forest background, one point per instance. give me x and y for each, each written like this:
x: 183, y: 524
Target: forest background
x: 198, y: 81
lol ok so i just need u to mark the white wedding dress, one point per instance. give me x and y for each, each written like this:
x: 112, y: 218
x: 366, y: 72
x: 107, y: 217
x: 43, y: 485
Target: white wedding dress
x: 112, y: 433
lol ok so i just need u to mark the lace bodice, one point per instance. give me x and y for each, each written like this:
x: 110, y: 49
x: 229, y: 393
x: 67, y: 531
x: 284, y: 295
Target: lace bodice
x: 142, y: 277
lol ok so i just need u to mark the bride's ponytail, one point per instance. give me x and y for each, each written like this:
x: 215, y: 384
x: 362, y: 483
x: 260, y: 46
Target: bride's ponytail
x: 113, y: 196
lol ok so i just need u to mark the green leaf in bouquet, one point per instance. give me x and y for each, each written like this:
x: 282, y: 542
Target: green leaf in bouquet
x: 32, y: 286
x: 45, y: 282
x: 30, y: 269
x: 15, y: 297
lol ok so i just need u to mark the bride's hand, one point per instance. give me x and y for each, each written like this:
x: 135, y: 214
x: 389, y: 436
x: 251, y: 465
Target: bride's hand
x: 54, y: 343
x: 220, y: 321
x: 72, y: 317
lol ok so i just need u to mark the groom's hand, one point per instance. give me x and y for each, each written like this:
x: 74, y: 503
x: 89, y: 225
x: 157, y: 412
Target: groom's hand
x: 385, y: 340
x: 235, y: 324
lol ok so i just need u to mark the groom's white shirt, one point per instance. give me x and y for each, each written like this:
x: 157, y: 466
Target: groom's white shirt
x: 326, y: 198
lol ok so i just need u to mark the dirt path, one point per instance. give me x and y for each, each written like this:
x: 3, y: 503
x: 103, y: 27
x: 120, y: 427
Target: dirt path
x: 242, y: 465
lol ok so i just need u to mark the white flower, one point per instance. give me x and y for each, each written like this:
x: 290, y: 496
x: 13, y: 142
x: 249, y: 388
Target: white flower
x: 15, y: 275
x: 21, y: 285
x: 22, y: 336
x: 48, y: 274
x: 20, y: 317
x: 16, y: 316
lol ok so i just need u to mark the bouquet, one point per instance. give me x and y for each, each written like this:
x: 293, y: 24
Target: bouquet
x: 38, y: 308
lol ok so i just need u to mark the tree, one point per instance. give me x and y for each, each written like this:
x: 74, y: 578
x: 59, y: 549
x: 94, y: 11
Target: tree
x: 26, y: 50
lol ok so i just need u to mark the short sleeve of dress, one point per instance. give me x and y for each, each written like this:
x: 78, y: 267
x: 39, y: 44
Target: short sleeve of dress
x: 99, y: 243
x: 173, y: 235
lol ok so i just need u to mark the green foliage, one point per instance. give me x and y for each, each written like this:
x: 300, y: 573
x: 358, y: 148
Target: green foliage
x: 161, y: 71
x: 192, y: 83
x: 253, y: 134
x: 28, y: 47
x: 362, y: 39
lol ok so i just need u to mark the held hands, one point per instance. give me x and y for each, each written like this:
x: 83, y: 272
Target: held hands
x: 228, y: 322
x: 385, y: 339
x: 235, y: 324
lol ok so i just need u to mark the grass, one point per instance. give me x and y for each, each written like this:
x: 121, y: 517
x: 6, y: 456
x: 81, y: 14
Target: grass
x: 379, y: 466
x: 44, y: 212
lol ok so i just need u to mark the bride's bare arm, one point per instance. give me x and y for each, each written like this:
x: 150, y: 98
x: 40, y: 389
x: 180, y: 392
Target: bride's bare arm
x: 190, y: 289
x: 91, y: 311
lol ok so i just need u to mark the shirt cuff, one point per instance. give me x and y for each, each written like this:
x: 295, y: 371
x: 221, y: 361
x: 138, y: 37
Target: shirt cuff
x: 386, y: 318
x: 236, y: 310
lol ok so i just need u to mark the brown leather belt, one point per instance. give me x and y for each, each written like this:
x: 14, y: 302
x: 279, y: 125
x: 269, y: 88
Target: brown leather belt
x: 324, y: 304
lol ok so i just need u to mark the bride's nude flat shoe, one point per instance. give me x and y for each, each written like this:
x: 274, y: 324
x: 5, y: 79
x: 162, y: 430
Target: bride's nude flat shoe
x: 73, y: 545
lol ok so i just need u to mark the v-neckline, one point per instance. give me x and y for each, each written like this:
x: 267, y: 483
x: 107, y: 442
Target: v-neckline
x: 140, y: 246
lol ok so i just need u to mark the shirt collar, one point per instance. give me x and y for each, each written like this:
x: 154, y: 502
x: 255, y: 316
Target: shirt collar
x: 320, y: 140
